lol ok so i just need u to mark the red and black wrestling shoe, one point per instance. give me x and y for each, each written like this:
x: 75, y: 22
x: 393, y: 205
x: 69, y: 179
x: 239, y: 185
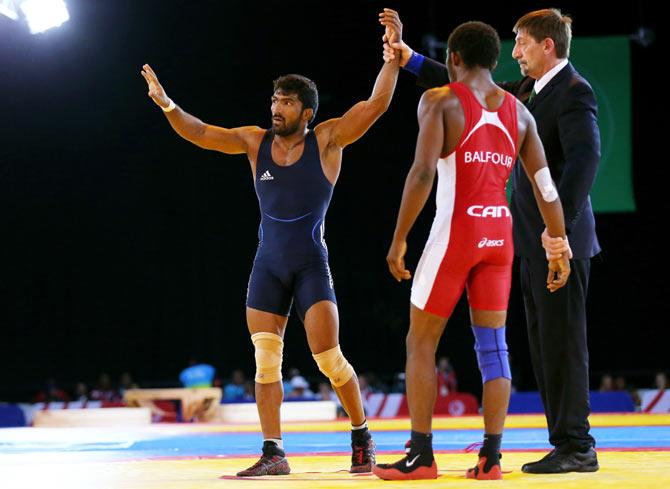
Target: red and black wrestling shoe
x: 272, y: 462
x: 362, y: 453
x: 487, y: 468
x: 413, y: 466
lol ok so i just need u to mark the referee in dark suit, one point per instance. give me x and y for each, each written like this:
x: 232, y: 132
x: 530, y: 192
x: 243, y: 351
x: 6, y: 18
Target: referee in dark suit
x: 565, y: 110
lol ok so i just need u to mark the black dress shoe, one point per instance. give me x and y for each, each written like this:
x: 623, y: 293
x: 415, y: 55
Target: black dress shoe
x: 560, y: 463
x: 526, y: 467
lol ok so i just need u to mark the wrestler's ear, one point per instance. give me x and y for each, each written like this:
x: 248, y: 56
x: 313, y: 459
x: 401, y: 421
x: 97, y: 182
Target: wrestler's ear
x: 307, y: 115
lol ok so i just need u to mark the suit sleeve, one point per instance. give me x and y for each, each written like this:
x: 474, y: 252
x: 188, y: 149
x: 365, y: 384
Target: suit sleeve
x: 580, y: 140
x: 512, y: 87
x: 433, y: 74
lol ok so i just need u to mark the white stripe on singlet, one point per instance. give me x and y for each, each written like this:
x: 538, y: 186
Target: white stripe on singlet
x: 440, y: 232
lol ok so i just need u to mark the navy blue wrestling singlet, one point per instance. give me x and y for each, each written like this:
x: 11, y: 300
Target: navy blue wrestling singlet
x: 292, y: 258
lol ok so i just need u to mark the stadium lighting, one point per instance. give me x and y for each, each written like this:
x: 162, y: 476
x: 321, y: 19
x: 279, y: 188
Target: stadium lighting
x: 40, y: 14
x: 8, y: 8
x: 44, y: 14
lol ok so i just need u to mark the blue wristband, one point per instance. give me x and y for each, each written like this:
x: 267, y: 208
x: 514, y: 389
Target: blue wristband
x: 415, y: 63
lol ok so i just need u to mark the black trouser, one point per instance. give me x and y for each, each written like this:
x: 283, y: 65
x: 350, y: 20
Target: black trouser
x: 557, y: 338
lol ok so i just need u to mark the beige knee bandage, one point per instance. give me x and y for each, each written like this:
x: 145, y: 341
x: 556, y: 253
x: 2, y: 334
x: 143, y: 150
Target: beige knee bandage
x: 334, y: 366
x: 269, y: 348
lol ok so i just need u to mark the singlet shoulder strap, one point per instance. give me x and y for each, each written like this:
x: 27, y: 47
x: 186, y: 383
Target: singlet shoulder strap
x: 264, y: 152
x: 265, y: 148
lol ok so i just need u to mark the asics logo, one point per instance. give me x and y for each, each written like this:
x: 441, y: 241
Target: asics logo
x: 490, y: 243
x: 488, y: 211
x: 409, y: 464
x: 266, y: 176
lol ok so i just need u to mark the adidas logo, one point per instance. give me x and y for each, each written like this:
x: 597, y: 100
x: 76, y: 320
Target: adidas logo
x: 266, y: 176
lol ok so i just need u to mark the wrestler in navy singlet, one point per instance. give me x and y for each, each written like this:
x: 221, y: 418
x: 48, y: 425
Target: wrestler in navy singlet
x: 292, y: 258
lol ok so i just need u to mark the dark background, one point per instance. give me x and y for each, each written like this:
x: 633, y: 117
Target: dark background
x: 124, y: 247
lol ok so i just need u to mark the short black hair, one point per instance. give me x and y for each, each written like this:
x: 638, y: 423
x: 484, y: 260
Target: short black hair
x: 477, y: 43
x: 301, y: 86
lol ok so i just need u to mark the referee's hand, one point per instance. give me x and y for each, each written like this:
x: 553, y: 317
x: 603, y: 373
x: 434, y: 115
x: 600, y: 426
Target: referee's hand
x: 555, y: 247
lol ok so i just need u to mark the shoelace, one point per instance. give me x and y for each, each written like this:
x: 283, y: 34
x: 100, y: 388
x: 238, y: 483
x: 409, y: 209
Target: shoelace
x: 471, y: 447
x: 265, y: 460
x: 359, y: 453
x: 257, y: 464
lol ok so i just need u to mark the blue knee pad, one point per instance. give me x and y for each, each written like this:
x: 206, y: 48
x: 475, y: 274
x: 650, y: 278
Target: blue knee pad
x: 492, y: 356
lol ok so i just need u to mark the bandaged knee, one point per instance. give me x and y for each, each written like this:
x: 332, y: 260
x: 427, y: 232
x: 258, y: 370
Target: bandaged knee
x: 492, y: 355
x: 269, y: 348
x: 334, y: 366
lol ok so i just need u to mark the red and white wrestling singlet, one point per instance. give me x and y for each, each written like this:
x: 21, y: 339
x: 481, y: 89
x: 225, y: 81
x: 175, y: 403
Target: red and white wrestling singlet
x: 470, y: 243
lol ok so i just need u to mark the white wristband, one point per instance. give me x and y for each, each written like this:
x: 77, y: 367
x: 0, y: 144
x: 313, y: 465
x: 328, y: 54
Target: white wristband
x: 170, y: 107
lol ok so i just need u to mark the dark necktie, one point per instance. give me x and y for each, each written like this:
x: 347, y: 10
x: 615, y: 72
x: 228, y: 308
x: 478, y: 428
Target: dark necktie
x: 531, y: 96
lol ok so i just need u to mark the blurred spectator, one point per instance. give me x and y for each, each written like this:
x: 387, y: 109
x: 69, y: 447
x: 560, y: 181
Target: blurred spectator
x: 326, y: 393
x: 249, y: 390
x: 374, y: 384
x: 80, y: 392
x: 286, y: 382
x: 197, y: 375
x: 364, y: 386
x: 446, y: 377
x: 126, y: 382
x: 620, y: 383
x: 51, y: 393
x: 104, y: 391
x: 399, y: 383
x: 661, y: 381
x: 300, y: 388
x: 606, y: 383
x: 236, y: 389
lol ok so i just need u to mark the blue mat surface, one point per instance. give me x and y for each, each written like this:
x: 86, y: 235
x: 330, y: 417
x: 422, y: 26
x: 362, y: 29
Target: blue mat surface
x: 235, y: 444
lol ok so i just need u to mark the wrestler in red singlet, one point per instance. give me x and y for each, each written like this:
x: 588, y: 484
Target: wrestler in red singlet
x: 470, y: 243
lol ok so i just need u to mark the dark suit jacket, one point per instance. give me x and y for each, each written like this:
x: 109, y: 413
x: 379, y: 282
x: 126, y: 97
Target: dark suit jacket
x: 566, y: 114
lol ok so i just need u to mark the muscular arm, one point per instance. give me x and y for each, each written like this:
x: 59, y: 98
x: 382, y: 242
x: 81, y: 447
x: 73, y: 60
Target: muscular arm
x: 357, y: 120
x: 207, y: 136
x: 533, y: 159
x: 435, y: 74
x: 430, y: 73
x: 230, y: 141
x: 580, y: 139
x: 421, y: 176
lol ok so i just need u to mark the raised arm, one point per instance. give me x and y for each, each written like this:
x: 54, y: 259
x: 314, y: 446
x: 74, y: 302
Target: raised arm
x: 430, y: 73
x: 534, y: 163
x: 230, y: 141
x: 420, y: 178
x: 356, y: 121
